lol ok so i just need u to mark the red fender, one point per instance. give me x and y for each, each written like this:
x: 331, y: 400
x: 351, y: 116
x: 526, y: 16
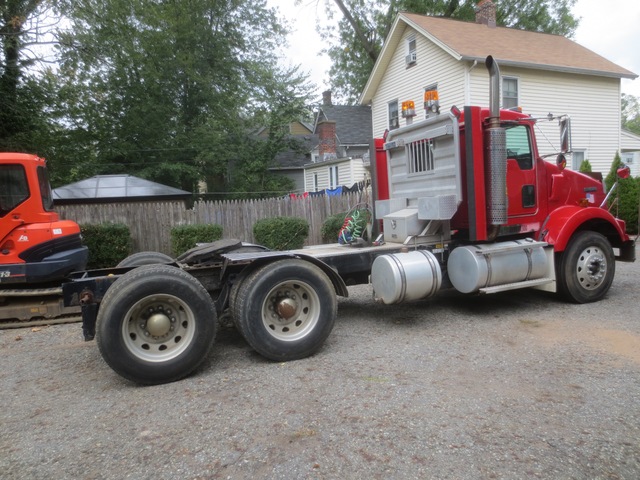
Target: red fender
x: 562, y: 223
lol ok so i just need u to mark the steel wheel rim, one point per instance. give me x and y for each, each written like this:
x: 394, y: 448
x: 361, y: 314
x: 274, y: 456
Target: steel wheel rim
x: 158, y: 328
x: 291, y: 311
x: 591, y: 268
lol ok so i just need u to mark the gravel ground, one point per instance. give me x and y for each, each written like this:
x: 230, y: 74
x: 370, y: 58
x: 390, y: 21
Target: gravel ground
x: 514, y: 385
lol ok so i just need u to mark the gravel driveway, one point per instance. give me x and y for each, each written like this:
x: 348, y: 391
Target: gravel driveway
x: 515, y: 385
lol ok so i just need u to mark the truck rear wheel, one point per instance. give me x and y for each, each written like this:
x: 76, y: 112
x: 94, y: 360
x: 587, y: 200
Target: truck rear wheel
x: 286, y: 309
x: 156, y: 324
x: 585, y: 270
x: 145, y: 258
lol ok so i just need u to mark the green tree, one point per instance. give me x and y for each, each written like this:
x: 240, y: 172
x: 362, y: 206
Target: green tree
x: 24, y: 24
x: 168, y: 91
x: 585, y: 166
x: 612, y: 176
x: 631, y: 113
x: 624, y: 202
x: 356, y: 39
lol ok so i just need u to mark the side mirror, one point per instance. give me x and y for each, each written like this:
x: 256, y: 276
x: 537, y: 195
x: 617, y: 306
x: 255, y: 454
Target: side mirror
x: 624, y: 172
x: 561, y: 161
x: 565, y: 134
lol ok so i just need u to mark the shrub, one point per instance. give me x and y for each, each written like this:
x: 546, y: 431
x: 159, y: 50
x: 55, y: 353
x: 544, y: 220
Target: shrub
x: 185, y: 237
x: 627, y: 196
x: 612, y: 176
x: 585, y: 166
x: 281, y: 233
x: 331, y: 227
x: 108, y: 244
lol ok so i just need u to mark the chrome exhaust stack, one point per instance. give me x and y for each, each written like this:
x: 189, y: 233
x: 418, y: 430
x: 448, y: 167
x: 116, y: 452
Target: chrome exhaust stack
x: 496, y: 151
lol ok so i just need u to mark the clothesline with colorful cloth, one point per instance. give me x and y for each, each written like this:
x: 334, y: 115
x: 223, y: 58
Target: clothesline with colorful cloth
x: 342, y: 189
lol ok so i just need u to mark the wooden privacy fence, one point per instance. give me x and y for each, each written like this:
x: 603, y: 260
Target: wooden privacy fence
x: 150, y: 223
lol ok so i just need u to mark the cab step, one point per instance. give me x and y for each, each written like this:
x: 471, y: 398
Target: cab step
x: 515, y: 286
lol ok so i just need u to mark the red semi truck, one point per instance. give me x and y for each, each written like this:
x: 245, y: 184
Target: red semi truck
x: 471, y: 206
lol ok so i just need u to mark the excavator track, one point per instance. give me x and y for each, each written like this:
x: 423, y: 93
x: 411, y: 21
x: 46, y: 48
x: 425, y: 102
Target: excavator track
x: 32, y: 307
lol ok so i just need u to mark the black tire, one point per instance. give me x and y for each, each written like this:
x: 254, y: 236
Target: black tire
x: 145, y: 258
x: 286, y: 309
x: 156, y: 324
x: 585, y: 270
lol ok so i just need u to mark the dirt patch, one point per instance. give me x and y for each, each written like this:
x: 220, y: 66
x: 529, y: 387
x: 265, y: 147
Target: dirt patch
x: 618, y: 343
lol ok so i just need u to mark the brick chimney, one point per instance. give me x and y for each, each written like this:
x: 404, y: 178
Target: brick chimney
x: 486, y: 13
x: 326, y: 98
x: 327, y: 134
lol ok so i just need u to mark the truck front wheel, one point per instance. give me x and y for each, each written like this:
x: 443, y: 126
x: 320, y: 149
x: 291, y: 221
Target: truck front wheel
x: 286, y: 309
x: 156, y: 324
x: 585, y: 270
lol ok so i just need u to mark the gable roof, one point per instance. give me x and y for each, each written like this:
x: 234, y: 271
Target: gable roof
x: 353, y: 122
x: 469, y: 41
x: 295, y: 158
x: 111, y: 188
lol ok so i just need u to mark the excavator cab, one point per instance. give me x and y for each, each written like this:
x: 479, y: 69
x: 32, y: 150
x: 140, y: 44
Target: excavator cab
x: 36, y: 247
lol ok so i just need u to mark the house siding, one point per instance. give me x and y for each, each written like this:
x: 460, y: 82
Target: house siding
x: 297, y: 177
x: 297, y: 128
x: 350, y: 171
x: 433, y: 65
x: 592, y: 102
x: 322, y: 170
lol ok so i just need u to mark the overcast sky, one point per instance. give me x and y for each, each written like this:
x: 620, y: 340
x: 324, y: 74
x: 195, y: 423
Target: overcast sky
x: 610, y: 28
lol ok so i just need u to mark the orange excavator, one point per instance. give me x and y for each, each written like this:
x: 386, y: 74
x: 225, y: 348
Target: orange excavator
x: 37, y: 249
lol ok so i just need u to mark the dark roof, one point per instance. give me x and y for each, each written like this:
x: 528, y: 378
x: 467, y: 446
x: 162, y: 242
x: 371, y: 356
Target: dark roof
x: 296, y: 159
x: 353, y: 122
x: 116, y: 188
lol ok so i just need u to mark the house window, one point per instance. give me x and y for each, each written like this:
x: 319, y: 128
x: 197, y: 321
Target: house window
x: 510, y: 92
x: 333, y: 176
x: 315, y: 182
x: 394, y: 121
x: 411, y: 52
x: 577, y: 157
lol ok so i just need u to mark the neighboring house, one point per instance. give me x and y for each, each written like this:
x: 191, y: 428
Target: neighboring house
x: 427, y: 58
x: 290, y: 163
x: 116, y: 188
x: 335, y: 149
x: 341, y: 157
x: 630, y: 151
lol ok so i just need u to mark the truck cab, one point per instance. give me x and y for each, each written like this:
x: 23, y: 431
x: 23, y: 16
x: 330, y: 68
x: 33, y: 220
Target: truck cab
x: 470, y: 188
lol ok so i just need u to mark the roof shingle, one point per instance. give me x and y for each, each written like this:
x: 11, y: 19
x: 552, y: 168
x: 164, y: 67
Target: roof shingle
x: 510, y: 46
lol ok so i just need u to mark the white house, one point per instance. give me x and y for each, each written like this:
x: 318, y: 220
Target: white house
x: 542, y: 73
x: 630, y: 151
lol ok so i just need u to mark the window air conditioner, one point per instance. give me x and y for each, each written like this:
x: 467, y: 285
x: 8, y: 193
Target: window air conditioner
x: 411, y: 58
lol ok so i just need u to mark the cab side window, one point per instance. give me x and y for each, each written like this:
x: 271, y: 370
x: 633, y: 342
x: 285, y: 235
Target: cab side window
x: 519, y: 146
